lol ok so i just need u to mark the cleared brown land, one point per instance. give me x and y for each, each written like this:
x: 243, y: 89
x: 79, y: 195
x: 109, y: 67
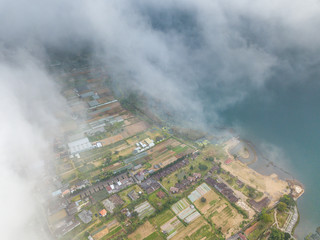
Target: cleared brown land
x: 165, y: 159
x: 101, y: 234
x: 274, y: 186
x: 110, y: 140
x: 134, y: 129
x: 142, y: 232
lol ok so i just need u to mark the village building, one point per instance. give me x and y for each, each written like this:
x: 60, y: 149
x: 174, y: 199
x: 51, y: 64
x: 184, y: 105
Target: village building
x: 79, y: 145
x: 85, y: 216
x: 161, y: 194
x: 103, y: 213
x: 174, y: 190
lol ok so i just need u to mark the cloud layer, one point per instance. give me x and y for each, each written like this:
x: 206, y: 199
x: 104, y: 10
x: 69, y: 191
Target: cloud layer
x: 197, y: 57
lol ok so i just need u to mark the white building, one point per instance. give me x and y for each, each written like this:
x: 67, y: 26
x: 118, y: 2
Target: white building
x: 80, y: 145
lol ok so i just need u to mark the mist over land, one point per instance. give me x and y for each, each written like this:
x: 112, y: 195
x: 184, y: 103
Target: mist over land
x: 249, y: 65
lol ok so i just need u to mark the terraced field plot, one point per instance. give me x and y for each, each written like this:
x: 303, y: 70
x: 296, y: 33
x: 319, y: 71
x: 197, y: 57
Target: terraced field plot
x: 220, y: 212
x: 185, y: 211
x: 162, y: 218
x: 144, y: 209
x: 179, y: 206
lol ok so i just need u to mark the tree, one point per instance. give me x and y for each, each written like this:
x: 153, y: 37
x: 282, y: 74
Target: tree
x: 191, y: 167
x: 202, y: 167
x: 134, y: 214
x: 210, y: 159
x: 203, y: 200
x: 265, y: 217
x: 282, y: 207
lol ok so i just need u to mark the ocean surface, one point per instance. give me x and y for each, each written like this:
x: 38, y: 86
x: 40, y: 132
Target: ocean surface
x: 283, y: 121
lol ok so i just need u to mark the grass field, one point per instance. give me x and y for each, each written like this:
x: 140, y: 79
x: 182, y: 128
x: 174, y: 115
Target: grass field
x: 282, y: 217
x: 162, y: 218
x: 99, y: 196
x: 155, y: 200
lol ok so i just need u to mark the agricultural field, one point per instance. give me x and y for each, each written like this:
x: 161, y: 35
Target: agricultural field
x: 133, y: 129
x: 103, y: 230
x: 154, y: 236
x: 172, y: 227
x: 144, y: 209
x: 190, y: 231
x: 162, y: 218
x: 124, y: 194
x: 113, y: 233
x: 185, y: 211
x: 142, y: 232
x: 220, y: 212
x: 199, y: 192
x: 179, y: 206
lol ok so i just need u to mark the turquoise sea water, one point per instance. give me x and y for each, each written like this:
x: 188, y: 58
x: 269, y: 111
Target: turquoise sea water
x: 288, y: 117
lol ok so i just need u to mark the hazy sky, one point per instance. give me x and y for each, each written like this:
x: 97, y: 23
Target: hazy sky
x: 176, y: 51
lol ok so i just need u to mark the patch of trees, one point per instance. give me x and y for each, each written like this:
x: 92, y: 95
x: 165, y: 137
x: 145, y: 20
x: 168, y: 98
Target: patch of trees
x: 276, y: 234
x: 288, y: 200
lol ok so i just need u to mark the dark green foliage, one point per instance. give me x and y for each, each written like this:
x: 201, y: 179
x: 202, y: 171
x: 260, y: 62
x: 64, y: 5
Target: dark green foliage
x: 202, y: 167
x: 287, y: 200
x: 211, y: 159
x: 282, y: 207
x: 276, y: 234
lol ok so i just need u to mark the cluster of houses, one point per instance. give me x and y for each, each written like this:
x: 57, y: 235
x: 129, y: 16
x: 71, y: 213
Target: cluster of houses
x: 112, y: 185
x: 258, y: 206
x: 61, y: 219
x: 150, y: 185
x: 168, y: 170
x: 185, y: 183
x: 238, y: 236
x: 143, y: 145
x: 112, y: 202
x: 223, y: 189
